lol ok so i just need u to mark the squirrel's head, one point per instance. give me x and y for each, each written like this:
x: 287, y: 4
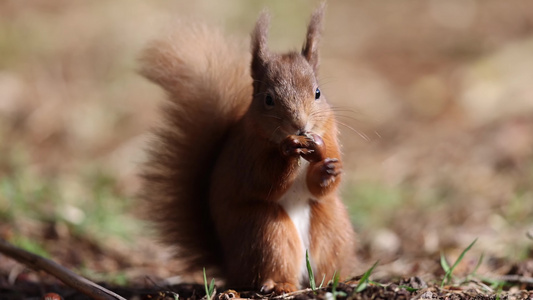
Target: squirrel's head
x: 286, y: 97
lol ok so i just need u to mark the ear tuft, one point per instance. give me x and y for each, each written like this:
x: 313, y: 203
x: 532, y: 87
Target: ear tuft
x: 259, y: 45
x: 310, y: 49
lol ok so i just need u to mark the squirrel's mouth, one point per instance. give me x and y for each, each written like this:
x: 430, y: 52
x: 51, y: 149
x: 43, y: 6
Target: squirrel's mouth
x: 285, y: 130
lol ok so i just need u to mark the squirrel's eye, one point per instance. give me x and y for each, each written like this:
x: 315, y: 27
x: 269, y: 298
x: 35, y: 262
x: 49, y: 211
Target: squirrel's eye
x: 317, y: 94
x: 269, y: 101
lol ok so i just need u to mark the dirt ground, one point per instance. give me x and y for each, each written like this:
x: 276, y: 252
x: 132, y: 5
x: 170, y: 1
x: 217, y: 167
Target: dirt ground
x: 436, y: 98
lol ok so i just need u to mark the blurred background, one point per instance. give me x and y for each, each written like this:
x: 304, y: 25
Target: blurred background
x: 436, y: 98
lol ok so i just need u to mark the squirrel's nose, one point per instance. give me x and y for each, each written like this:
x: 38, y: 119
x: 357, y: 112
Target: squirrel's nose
x: 300, y: 126
x: 298, y: 122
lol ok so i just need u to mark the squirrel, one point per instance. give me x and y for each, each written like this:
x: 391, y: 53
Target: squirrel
x: 243, y: 172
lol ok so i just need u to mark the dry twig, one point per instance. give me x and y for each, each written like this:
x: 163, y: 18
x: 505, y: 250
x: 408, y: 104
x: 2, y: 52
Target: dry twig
x: 70, y: 278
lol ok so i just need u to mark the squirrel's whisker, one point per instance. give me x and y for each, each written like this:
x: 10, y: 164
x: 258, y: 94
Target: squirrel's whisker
x: 359, y: 133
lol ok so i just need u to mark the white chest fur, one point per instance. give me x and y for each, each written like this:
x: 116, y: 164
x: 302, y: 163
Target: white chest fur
x: 295, y: 202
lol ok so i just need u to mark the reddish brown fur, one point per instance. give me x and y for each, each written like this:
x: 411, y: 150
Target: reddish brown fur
x: 199, y: 110
x: 225, y: 157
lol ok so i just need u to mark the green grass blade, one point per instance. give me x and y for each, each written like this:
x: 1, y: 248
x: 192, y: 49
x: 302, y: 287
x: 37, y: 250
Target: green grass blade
x: 312, y: 283
x: 446, y: 267
x: 209, y: 289
x: 377, y: 283
x: 322, y: 282
x: 449, y: 272
x: 334, y: 285
x: 206, y: 287
x: 363, y: 282
x: 462, y: 255
x: 479, y: 262
x: 493, y: 283
x: 444, y: 263
x: 335, y: 282
x: 499, y: 291
x: 408, y: 288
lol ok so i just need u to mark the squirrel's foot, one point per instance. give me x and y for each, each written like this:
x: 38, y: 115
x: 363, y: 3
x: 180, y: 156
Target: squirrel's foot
x: 278, y: 288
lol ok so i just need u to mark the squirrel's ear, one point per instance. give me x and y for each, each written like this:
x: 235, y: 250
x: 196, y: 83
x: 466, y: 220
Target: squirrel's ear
x: 310, y: 49
x: 259, y: 45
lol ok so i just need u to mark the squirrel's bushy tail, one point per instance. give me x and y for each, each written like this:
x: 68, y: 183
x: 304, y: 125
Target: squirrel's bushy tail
x: 208, y: 82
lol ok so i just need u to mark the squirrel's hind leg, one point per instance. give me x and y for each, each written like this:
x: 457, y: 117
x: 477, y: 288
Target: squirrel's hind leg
x: 264, y: 252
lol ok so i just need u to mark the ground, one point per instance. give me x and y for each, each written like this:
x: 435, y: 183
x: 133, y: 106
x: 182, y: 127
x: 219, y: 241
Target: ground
x: 434, y: 100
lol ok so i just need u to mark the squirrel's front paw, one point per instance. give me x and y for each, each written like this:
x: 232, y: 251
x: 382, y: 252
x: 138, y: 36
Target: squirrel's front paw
x: 296, y: 145
x: 310, y: 146
x: 326, y: 172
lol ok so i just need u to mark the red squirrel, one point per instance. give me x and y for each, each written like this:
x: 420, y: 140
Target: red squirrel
x: 243, y: 174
